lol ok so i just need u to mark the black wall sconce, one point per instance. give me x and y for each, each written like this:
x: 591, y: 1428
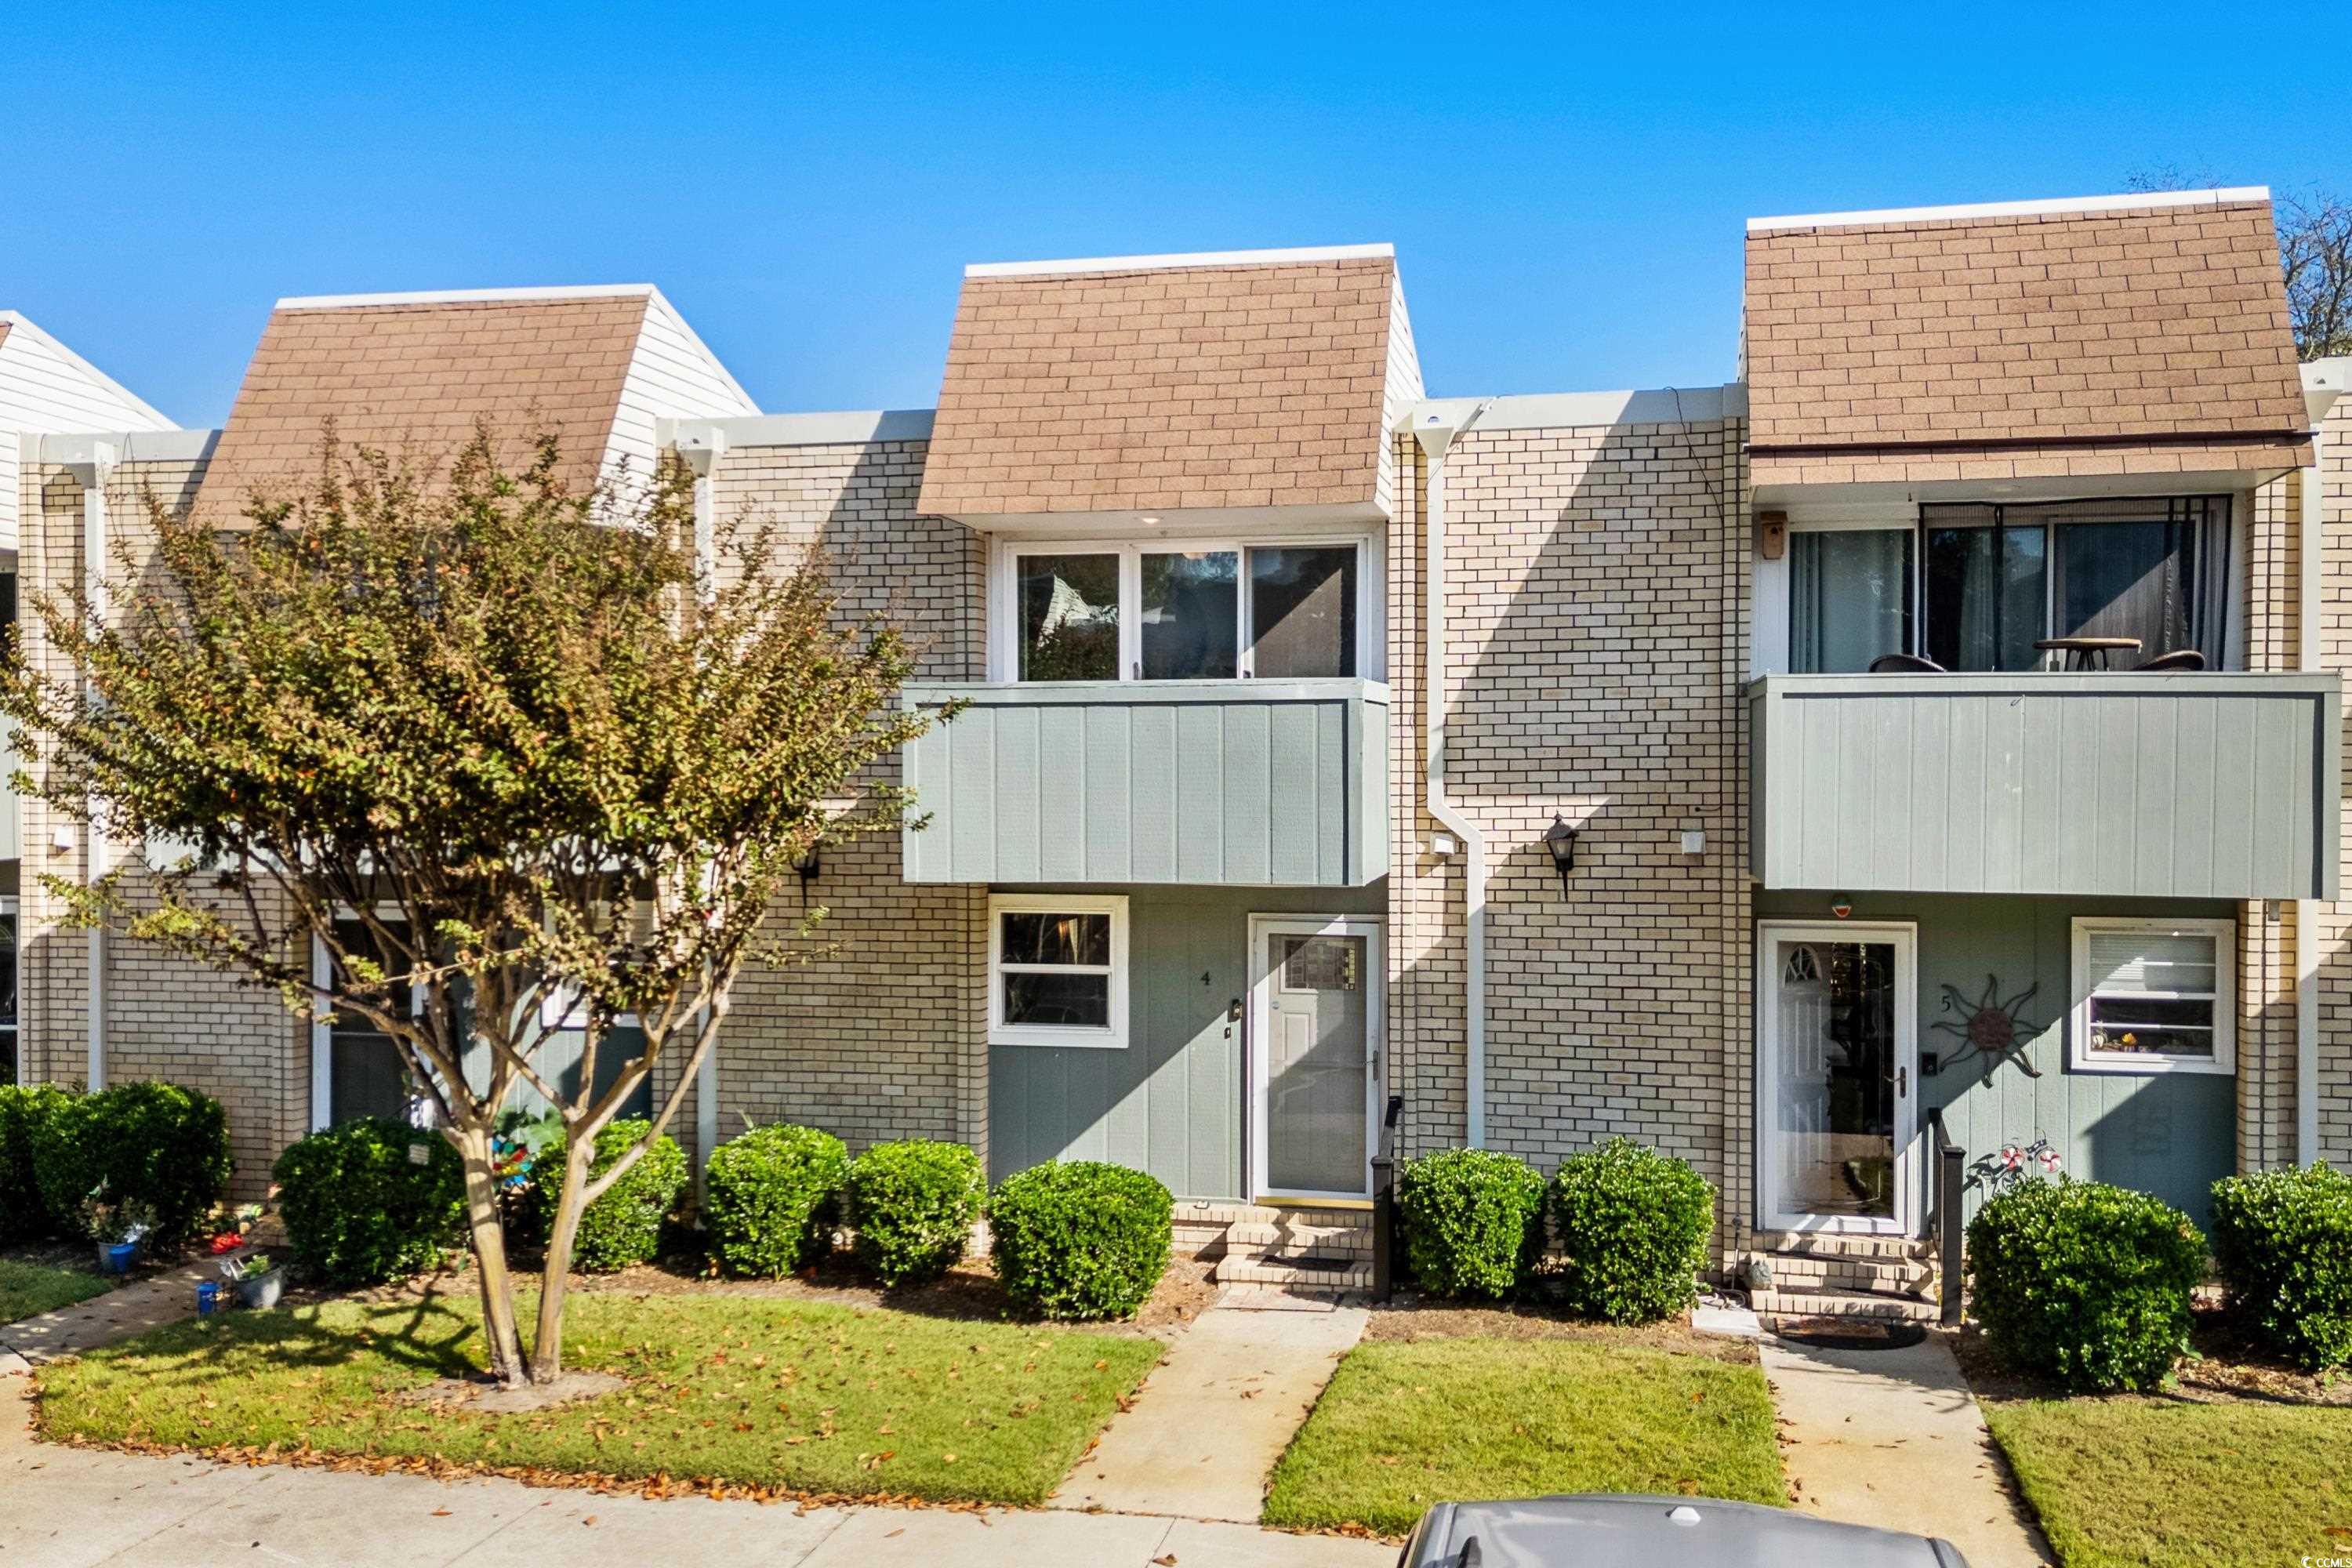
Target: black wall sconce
x: 1561, y: 839
x: 809, y: 868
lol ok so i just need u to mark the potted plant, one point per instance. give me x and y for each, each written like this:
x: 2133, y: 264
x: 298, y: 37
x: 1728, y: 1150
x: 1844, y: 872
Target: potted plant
x: 258, y: 1281
x: 117, y: 1226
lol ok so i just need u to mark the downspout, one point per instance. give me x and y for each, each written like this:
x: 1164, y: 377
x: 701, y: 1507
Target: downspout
x: 1436, y: 427
x: 700, y: 446
x: 92, y: 465
x: 2319, y: 397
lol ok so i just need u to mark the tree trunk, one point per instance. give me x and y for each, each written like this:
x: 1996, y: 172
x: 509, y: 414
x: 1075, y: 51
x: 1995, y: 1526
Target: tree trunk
x: 547, y: 1343
x: 499, y: 1328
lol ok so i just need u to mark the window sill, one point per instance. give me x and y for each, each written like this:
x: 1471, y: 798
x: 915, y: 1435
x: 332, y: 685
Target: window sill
x: 1058, y: 1038
x: 2138, y: 1064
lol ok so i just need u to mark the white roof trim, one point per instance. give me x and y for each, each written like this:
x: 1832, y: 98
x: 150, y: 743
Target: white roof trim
x: 2217, y: 196
x: 462, y: 296
x: 1193, y: 259
x: 17, y: 321
x: 848, y: 428
x: 131, y: 446
x: 1575, y: 410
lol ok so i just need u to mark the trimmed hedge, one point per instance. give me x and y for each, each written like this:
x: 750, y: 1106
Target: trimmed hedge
x: 1473, y: 1221
x: 1080, y: 1239
x: 359, y: 1211
x: 159, y: 1144
x: 770, y: 1196
x: 624, y: 1225
x: 2085, y: 1283
x: 24, y: 1213
x: 1634, y: 1225
x: 913, y: 1203
x: 2284, y: 1242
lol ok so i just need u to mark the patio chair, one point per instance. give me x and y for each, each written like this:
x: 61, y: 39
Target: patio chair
x: 2178, y: 659
x: 1904, y: 664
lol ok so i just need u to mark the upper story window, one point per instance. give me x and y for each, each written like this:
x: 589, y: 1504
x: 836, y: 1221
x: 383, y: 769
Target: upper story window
x: 1974, y: 586
x: 1182, y: 610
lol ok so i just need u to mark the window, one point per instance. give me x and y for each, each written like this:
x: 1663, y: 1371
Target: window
x: 1998, y: 578
x: 2154, y: 995
x: 10, y: 1066
x: 1849, y: 598
x: 1058, y: 969
x: 1170, y: 610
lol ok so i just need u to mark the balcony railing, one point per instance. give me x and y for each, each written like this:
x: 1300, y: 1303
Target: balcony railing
x: 2199, y: 785
x: 1276, y: 782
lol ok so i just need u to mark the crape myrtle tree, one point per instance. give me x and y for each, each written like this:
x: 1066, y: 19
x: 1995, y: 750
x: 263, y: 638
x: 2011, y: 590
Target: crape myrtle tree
x: 521, y: 757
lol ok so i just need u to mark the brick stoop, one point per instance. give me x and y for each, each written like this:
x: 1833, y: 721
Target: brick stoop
x: 1817, y: 1274
x: 1304, y: 1249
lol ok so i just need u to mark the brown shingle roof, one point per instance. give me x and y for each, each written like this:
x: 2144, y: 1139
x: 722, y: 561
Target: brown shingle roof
x: 1167, y: 387
x: 413, y: 376
x: 1884, y: 345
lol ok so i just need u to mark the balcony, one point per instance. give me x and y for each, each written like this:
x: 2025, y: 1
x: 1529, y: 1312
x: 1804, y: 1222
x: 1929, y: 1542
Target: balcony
x: 2185, y: 785
x: 1228, y: 783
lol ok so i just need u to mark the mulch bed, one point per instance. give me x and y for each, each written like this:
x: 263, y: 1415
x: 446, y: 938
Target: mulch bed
x: 2228, y: 1368
x: 1411, y: 1317
x: 968, y: 1293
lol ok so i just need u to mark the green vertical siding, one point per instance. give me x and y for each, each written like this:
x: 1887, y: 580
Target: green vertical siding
x: 1172, y: 1102
x: 2173, y: 1134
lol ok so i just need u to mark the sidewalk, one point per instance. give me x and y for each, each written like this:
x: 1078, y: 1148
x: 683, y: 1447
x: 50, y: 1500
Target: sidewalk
x: 1217, y: 1414
x: 133, y: 1308
x: 1893, y: 1439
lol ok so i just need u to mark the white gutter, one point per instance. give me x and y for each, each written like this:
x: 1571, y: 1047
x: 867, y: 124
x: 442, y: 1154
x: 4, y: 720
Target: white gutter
x: 2323, y: 383
x: 1435, y: 426
x: 92, y: 463
x: 702, y: 446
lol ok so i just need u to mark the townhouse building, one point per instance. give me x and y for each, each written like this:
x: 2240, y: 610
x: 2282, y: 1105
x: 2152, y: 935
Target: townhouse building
x: 1929, y: 738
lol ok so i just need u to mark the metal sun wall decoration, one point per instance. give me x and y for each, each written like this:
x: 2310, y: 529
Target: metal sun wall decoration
x: 1989, y: 1026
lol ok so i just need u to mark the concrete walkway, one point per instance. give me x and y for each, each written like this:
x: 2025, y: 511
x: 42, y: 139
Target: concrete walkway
x: 1893, y: 1439
x: 1199, y: 1441
x: 70, y: 1507
x: 133, y: 1308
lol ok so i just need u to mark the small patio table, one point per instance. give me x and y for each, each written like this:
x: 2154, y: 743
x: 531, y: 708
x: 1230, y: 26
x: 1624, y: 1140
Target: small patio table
x: 2078, y: 652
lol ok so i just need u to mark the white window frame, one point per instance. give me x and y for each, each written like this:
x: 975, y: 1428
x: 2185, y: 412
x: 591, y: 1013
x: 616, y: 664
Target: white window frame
x: 1004, y: 603
x: 323, y: 1033
x: 1082, y: 1036
x: 9, y: 910
x: 2223, y: 1061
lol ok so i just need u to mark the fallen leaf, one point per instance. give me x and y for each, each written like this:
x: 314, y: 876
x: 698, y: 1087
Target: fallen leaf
x: 589, y: 1520
x: 440, y: 1513
x: 1167, y: 1562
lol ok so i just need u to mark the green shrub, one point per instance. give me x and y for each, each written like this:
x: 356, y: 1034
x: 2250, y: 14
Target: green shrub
x: 1081, y: 1239
x: 624, y: 1225
x: 2284, y: 1241
x: 158, y: 1144
x: 1473, y: 1221
x: 2084, y: 1282
x: 359, y: 1211
x: 1634, y: 1225
x: 913, y: 1203
x: 23, y: 1108
x: 771, y: 1198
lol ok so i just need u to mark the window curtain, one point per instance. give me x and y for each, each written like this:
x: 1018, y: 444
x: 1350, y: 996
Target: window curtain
x: 1849, y: 599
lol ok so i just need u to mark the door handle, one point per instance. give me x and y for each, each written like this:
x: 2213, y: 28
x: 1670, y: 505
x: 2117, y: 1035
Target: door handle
x: 1233, y: 1010
x: 1902, y: 1082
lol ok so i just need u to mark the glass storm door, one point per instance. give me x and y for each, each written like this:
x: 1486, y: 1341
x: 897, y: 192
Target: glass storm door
x: 1314, y: 1035
x: 1838, y: 1017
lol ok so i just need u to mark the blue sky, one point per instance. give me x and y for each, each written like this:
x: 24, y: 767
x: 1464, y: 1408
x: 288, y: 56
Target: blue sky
x: 1565, y: 186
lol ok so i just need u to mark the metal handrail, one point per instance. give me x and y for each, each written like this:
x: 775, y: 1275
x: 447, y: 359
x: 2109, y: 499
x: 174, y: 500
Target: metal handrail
x: 1384, y: 1203
x: 1951, y: 1177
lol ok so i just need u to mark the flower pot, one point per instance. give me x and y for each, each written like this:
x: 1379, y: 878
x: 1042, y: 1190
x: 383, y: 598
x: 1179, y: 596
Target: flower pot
x: 262, y: 1289
x: 114, y: 1256
x: 207, y: 1299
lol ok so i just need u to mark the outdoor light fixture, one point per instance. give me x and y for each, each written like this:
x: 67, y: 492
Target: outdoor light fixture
x: 1561, y: 839
x: 808, y: 868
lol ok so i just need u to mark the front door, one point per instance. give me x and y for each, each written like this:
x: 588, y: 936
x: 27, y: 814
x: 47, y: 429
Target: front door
x: 1315, y: 1050
x: 1837, y: 1014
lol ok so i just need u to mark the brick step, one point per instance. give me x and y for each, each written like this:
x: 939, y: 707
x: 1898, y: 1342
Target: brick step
x: 1211, y: 1211
x: 1889, y: 1277
x: 1829, y: 1243
x: 1274, y: 1269
x: 1287, y: 1235
x: 1841, y: 1304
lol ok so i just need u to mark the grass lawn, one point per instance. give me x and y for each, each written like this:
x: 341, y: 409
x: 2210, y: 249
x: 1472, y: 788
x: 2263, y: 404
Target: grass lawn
x: 2161, y: 1482
x: 742, y: 1390
x: 27, y: 1287
x: 1408, y: 1423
